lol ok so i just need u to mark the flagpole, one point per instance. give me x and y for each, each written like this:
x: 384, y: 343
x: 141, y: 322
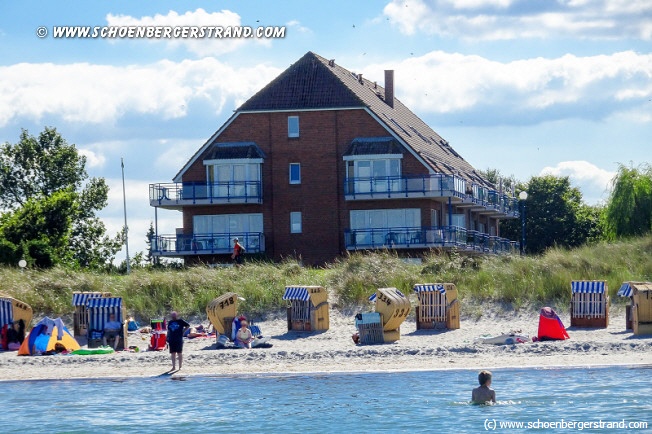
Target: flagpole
x: 124, y: 198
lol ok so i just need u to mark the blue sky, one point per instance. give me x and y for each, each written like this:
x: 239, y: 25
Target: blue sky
x: 527, y: 87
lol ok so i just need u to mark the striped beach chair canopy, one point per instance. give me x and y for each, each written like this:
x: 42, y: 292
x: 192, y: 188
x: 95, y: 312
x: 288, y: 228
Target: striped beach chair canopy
x: 625, y: 290
x: 372, y: 297
x: 296, y: 293
x: 429, y: 287
x: 99, y: 310
x: 81, y: 298
x: 6, y: 311
x: 588, y: 286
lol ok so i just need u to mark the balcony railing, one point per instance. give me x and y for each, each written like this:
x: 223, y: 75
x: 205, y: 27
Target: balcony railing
x: 206, y: 244
x: 404, y: 186
x: 201, y: 193
x: 428, y: 237
x: 438, y: 185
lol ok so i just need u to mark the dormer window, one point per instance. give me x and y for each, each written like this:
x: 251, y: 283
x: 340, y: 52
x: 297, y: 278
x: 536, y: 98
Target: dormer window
x: 293, y: 126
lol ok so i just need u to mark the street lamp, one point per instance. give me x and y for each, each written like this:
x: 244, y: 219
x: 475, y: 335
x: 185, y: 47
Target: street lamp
x: 523, y: 196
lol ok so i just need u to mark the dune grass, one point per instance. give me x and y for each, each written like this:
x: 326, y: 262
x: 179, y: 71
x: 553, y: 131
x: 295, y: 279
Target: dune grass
x: 515, y: 281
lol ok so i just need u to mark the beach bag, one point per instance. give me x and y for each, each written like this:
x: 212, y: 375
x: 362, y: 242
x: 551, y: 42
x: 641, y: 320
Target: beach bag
x: 132, y: 326
x: 96, y: 334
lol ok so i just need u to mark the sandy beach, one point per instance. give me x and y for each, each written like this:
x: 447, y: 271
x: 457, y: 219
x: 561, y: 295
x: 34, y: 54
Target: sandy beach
x: 334, y: 350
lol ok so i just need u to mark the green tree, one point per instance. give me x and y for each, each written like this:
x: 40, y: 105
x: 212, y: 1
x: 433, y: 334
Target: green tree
x: 555, y: 215
x: 629, y: 209
x: 50, y: 201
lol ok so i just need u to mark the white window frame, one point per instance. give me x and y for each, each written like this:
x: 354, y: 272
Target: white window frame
x: 294, y: 181
x: 296, y: 223
x: 293, y: 126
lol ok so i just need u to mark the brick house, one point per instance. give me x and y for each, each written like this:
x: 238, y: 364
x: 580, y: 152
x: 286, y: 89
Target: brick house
x: 322, y: 161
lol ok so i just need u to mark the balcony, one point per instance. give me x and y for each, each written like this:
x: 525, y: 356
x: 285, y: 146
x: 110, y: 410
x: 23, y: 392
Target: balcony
x: 177, y: 195
x: 490, y: 202
x: 206, y: 244
x: 432, y: 186
x: 428, y: 237
x: 395, y: 187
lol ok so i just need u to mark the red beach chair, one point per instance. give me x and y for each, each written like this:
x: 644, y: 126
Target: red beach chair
x: 158, y: 336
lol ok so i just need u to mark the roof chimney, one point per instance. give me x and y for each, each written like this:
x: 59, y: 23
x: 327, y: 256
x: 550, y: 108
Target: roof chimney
x: 389, y: 87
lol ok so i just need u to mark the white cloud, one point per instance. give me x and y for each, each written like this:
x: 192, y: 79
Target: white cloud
x: 512, y: 19
x: 593, y: 181
x: 208, y: 46
x: 522, y: 91
x: 296, y: 25
x: 92, y: 159
x: 86, y: 93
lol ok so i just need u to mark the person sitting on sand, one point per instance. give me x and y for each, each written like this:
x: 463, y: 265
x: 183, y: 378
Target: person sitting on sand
x: 112, y: 329
x: 16, y: 335
x: 484, y: 393
x: 244, y: 337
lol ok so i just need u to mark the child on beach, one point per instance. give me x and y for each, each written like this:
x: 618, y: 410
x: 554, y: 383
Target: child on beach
x: 484, y: 393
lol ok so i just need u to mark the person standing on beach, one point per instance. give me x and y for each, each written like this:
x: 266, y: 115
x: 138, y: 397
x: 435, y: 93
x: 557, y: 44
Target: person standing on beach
x: 238, y: 250
x: 176, y: 327
x: 484, y: 393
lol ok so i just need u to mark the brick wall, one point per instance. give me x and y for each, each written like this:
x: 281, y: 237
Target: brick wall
x: 324, y: 138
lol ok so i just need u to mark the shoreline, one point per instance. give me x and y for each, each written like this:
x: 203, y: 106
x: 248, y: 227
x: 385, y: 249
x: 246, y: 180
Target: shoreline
x: 333, y: 352
x: 647, y: 365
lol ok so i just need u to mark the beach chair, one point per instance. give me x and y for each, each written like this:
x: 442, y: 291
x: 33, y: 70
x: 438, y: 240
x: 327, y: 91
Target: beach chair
x: 438, y: 306
x: 308, y: 308
x: 589, y: 303
x: 13, y: 310
x: 158, y: 335
x: 80, y: 319
x: 221, y: 312
x: 642, y: 308
x: 393, y: 307
x: 99, y: 310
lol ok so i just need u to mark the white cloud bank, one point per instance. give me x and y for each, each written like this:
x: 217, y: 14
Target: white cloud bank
x: 523, y: 91
x: 87, y: 93
x: 512, y: 19
x: 485, y: 91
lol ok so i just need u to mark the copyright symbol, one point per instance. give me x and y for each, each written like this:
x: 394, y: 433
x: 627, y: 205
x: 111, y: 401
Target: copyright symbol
x: 42, y: 32
x: 490, y: 424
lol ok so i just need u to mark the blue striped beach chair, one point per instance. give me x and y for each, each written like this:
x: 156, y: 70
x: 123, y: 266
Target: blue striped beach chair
x: 14, y: 310
x: 438, y: 306
x: 6, y: 312
x: 589, y: 303
x: 99, y: 310
x: 308, y: 308
x: 80, y: 319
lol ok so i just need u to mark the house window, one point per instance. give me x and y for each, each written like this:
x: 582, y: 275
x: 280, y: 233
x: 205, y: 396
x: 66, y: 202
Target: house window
x: 295, y: 223
x: 375, y: 175
x: 295, y: 173
x: 293, y: 126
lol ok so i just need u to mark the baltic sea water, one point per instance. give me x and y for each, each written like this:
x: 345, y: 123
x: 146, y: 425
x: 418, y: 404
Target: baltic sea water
x: 429, y: 401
